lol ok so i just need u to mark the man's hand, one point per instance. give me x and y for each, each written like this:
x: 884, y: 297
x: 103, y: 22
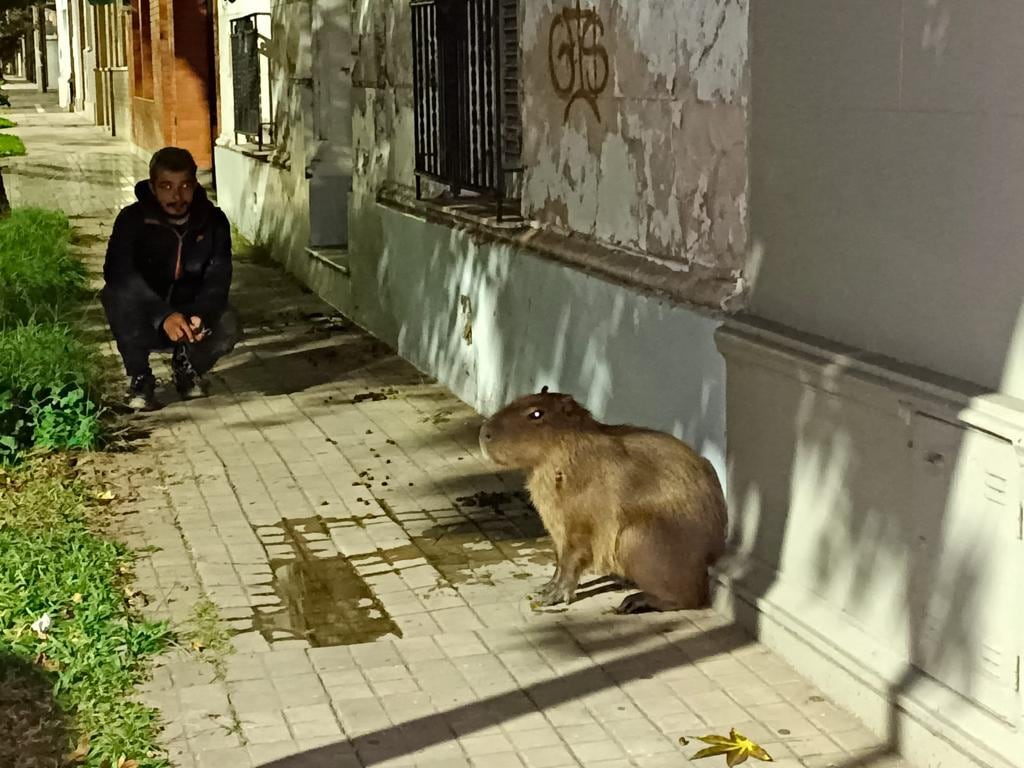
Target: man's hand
x: 197, y: 323
x: 177, y: 327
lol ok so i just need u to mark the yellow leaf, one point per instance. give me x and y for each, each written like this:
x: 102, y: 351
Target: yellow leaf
x: 76, y: 598
x: 718, y: 749
x: 197, y: 646
x: 81, y: 751
x: 736, y: 757
x: 737, y: 748
x: 722, y: 740
x: 106, y: 496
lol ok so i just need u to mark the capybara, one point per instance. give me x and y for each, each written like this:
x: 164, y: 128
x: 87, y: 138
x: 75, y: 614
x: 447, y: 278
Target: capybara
x: 622, y: 501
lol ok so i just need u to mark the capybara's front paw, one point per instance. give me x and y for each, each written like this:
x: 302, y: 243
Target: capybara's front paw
x: 552, y: 593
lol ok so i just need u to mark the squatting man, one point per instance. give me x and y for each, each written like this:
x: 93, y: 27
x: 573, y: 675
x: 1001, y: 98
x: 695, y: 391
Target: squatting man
x: 167, y: 276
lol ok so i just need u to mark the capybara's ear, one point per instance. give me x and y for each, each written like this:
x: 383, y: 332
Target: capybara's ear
x: 544, y: 389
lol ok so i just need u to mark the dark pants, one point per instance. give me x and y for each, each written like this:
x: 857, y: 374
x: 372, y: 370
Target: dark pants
x: 136, y: 337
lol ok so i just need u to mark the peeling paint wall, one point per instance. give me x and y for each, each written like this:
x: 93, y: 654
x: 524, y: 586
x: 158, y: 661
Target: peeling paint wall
x: 656, y: 160
x: 650, y: 156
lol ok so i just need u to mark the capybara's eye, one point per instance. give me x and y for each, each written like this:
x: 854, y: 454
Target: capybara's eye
x: 536, y: 414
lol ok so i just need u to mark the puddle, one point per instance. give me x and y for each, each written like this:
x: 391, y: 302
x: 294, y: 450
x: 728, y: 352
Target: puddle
x: 325, y: 601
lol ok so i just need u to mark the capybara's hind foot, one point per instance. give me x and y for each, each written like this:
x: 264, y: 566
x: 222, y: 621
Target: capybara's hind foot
x: 642, y: 602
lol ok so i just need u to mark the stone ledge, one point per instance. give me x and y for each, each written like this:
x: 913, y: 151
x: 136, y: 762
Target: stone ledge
x: 707, y: 290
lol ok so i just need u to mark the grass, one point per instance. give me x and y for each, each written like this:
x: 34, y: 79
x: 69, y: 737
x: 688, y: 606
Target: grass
x: 39, y: 277
x: 47, y: 391
x: 6, y: 122
x: 48, y: 376
x: 206, y: 634
x: 72, y: 681
x: 11, y: 145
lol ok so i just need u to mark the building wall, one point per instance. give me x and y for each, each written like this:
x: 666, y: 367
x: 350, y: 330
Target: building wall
x: 294, y: 195
x: 651, y: 155
x: 646, y: 152
x: 178, y: 112
x: 875, y: 405
x: 65, y: 56
x: 888, y: 170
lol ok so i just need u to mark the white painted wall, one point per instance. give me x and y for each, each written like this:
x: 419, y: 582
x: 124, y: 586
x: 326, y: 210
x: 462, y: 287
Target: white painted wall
x: 876, y: 537
x: 62, y: 83
x: 887, y: 178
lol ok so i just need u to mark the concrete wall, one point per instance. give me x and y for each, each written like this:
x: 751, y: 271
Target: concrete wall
x: 887, y: 175
x: 876, y: 541
x: 639, y: 139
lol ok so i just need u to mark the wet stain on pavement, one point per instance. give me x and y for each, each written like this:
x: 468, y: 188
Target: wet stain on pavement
x: 324, y: 600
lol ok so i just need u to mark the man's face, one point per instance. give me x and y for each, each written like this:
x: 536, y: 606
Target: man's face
x: 174, y: 191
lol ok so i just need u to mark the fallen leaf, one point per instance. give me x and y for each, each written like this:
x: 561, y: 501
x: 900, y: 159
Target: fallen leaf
x: 683, y: 740
x: 76, y: 598
x: 81, y: 751
x: 106, y: 496
x: 736, y: 748
x: 198, y: 646
x: 124, y: 762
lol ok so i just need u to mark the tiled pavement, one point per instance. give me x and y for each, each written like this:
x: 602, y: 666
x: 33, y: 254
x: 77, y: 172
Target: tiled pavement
x: 330, y: 500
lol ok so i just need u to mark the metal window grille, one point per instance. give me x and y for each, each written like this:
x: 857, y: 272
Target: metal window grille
x: 467, y: 123
x: 248, y: 82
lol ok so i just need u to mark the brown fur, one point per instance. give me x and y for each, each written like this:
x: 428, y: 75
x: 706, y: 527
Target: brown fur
x: 619, y: 500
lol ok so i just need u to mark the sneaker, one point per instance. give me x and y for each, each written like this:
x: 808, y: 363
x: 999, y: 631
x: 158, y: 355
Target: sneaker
x: 187, y: 380
x: 141, y: 392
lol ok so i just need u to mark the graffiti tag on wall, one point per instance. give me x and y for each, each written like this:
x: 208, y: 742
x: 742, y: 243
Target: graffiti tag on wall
x: 577, y: 60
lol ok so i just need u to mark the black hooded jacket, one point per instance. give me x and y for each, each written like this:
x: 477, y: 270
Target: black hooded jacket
x: 145, y: 250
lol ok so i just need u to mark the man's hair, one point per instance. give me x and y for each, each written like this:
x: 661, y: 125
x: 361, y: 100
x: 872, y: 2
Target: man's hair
x: 173, y: 159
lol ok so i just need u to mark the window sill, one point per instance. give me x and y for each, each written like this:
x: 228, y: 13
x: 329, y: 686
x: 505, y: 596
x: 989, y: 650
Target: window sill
x: 252, y: 151
x: 710, y: 291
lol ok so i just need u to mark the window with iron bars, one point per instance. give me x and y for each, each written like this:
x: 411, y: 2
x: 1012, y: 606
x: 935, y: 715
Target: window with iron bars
x: 466, y: 95
x: 250, y: 75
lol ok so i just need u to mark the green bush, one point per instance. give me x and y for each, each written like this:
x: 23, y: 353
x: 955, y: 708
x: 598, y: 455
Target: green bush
x: 7, y: 123
x: 47, y: 383
x: 38, y: 275
x: 95, y: 649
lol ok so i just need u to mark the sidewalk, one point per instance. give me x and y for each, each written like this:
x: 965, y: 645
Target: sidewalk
x: 331, y: 501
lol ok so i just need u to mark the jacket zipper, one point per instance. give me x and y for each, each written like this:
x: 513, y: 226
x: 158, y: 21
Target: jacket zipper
x: 177, y: 258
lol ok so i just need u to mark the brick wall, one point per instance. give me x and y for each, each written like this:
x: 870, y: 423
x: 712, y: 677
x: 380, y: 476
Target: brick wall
x: 179, y: 112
